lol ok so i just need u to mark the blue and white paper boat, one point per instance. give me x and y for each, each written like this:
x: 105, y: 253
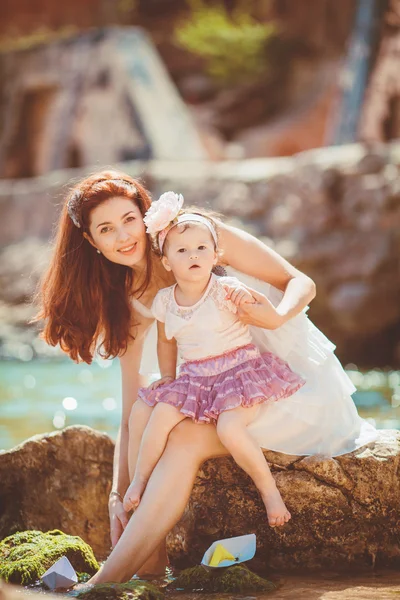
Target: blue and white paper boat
x: 243, y: 548
x: 60, y: 575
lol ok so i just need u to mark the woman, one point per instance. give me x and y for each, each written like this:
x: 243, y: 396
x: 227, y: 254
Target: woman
x: 97, y: 293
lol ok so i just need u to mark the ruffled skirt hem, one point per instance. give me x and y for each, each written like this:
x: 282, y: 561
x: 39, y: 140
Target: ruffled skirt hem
x: 242, y: 377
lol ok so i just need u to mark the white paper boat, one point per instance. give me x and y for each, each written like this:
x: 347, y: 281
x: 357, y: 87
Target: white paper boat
x: 60, y: 575
x: 242, y: 547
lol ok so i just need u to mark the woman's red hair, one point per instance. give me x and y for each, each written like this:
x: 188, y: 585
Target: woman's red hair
x: 85, y: 299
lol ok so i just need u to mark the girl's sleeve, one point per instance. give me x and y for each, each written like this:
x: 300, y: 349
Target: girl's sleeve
x: 222, y: 300
x: 159, y: 306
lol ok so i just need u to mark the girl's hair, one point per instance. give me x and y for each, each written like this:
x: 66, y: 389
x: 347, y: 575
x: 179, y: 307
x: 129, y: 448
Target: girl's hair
x: 85, y: 298
x: 189, y: 210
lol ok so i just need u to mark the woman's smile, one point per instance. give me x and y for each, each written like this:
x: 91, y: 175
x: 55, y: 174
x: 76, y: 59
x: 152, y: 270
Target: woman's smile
x: 128, y: 250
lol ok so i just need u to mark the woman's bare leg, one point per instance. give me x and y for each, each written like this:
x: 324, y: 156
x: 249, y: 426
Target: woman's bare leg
x: 140, y: 414
x: 233, y: 433
x: 164, y: 500
x: 154, y: 439
x: 138, y: 419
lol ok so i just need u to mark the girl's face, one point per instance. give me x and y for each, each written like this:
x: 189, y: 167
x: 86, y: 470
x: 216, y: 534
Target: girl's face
x: 118, y: 231
x: 190, y: 253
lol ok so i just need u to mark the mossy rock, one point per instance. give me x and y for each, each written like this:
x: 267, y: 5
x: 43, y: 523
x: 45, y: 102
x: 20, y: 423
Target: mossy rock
x: 26, y: 555
x: 235, y: 579
x: 133, y: 590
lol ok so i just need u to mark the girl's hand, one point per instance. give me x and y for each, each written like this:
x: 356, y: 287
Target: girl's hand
x: 162, y: 381
x: 262, y: 313
x: 118, y: 519
x: 239, y: 294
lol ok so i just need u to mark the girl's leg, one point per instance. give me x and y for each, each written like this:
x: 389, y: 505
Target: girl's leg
x: 231, y: 429
x: 164, y: 499
x: 162, y: 420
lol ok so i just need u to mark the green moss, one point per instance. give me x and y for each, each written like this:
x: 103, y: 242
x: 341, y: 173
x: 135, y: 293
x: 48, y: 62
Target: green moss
x: 133, y: 590
x: 26, y: 555
x: 236, y: 579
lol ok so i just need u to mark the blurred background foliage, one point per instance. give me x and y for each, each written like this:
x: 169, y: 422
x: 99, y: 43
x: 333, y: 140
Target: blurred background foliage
x: 234, y: 45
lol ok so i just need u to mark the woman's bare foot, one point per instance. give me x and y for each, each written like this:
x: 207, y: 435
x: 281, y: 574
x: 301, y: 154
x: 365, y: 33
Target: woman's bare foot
x: 277, y: 512
x: 82, y: 587
x: 133, y: 494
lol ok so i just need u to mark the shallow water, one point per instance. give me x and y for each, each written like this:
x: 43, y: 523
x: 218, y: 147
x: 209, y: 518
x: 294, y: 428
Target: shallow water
x: 38, y: 396
x: 384, y: 585
x: 380, y: 585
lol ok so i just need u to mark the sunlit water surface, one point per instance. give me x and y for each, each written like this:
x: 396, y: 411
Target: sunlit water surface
x: 38, y: 396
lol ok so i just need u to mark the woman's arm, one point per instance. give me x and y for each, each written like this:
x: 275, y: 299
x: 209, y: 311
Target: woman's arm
x: 244, y: 252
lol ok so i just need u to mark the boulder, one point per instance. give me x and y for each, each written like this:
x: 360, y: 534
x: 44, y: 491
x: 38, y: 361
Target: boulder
x: 132, y: 590
x: 25, y: 556
x: 345, y: 511
x: 61, y: 481
x: 238, y: 579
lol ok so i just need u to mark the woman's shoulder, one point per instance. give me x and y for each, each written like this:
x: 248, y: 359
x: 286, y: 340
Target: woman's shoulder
x: 160, y: 303
x: 164, y: 292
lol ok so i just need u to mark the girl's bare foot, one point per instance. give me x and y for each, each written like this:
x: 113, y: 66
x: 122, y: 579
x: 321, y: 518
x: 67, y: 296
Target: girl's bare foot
x: 277, y: 512
x: 133, y: 494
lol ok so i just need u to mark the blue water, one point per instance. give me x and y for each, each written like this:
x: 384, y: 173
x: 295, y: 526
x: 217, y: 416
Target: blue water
x: 43, y: 396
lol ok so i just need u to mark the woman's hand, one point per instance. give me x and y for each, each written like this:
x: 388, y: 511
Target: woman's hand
x: 118, y: 519
x: 162, y: 381
x: 261, y: 313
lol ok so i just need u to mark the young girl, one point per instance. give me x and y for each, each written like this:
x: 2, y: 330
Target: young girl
x: 224, y: 377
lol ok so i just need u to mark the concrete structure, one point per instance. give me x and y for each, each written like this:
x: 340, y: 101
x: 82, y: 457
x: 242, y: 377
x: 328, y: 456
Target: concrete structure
x: 93, y: 99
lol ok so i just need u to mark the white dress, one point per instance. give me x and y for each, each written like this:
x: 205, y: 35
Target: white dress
x: 321, y: 417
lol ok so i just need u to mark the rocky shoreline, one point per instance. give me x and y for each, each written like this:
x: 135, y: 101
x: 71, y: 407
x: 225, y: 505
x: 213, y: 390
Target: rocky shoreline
x: 345, y: 511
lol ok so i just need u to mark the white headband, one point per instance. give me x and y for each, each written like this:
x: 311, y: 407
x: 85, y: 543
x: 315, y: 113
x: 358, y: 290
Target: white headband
x: 187, y: 218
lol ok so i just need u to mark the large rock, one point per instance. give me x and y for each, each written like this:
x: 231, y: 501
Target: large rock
x: 26, y: 556
x: 132, y: 590
x: 61, y: 481
x: 345, y: 511
x: 236, y: 579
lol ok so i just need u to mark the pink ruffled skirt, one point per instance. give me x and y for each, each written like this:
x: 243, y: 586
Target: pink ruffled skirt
x: 241, y: 377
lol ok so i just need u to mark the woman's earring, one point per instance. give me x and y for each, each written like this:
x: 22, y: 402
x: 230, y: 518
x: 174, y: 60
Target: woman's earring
x: 98, y: 251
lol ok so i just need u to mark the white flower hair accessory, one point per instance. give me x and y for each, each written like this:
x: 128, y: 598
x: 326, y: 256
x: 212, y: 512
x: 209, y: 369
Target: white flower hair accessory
x: 163, y: 212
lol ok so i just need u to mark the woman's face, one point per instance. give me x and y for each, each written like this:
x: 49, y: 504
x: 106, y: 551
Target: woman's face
x: 118, y: 231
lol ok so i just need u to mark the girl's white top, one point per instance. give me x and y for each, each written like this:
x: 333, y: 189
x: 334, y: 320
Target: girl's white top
x: 320, y: 418
x: 210, y: 327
